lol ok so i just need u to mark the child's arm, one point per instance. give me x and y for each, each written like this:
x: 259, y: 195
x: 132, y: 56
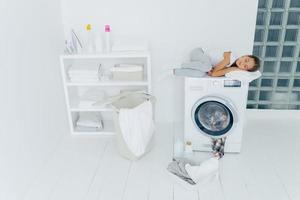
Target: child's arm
x: 223, y: 71
x: 223, y: 63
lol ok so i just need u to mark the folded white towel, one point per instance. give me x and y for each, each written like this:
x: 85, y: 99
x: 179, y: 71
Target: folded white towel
x: 90, y: 119
x: 89, y: 124
x: 83, y: 75
x: 87, y: 129
x: 88, y: 69
x: 84, y: 80
x: 244, y: 75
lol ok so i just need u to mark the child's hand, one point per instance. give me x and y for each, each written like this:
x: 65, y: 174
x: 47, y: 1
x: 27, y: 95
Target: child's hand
x: 209, y: 73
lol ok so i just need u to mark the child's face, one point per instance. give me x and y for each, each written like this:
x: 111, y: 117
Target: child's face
x: 245, y: 63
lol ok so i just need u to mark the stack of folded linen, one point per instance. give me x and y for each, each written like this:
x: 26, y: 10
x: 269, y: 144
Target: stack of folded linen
x: 89, y: 121
x: 90, y: 97
x: 81, y: 73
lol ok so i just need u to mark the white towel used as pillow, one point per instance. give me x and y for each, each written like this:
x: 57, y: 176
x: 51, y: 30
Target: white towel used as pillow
x: 244, y: 75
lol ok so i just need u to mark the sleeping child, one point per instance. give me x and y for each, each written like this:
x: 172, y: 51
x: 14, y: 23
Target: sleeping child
x: 216, y: 63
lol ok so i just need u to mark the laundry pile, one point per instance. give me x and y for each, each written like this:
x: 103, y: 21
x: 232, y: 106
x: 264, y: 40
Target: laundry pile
x: 89, y: 121
x: 214, y: 117
x: 193, y: 173
x: 83, y: 73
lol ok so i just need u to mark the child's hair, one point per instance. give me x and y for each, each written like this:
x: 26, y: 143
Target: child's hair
x: 257, y: 63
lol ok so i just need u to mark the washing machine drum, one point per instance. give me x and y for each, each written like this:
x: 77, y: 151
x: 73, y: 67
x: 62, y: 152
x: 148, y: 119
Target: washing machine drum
x: 214, y: 118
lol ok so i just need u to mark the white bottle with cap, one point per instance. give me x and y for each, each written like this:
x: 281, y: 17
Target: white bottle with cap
x: 107, y: 45
x: 90, y: 42
x: 188, y: 150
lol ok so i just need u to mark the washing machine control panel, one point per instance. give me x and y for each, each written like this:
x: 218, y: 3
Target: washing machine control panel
x: 216, y: 83
x: 232, y: 83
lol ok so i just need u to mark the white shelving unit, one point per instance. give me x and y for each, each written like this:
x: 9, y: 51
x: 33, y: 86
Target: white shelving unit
x: 73, y: 90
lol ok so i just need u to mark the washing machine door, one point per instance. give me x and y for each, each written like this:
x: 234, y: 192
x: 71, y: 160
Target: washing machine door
x: 214, y: 116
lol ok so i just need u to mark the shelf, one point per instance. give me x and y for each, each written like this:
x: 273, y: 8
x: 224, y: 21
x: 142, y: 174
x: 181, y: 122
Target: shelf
x: 109, y: 83
x: 123, y: 54
x: 75, y: 91
x: 98, y: 100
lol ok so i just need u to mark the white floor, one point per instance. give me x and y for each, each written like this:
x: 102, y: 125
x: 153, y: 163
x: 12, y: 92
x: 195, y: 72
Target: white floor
x: 90, y: 168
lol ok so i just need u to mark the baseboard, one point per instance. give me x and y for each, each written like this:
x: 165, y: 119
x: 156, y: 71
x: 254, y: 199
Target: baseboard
x: 272, y: 114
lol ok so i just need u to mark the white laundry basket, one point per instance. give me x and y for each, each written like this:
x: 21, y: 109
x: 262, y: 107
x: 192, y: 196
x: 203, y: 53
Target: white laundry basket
x: 129, y: 100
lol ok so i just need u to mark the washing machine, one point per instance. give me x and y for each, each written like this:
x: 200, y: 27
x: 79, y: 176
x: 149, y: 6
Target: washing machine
x: 214, y: 108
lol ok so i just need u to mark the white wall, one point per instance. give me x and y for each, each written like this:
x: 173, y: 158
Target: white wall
x: 173, y: 28
x: 32, y: 119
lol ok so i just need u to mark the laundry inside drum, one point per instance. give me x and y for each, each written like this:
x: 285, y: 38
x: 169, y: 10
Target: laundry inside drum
x: 214, y: 116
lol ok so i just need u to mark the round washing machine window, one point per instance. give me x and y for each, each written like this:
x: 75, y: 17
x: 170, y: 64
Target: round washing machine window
x: 213, y: 118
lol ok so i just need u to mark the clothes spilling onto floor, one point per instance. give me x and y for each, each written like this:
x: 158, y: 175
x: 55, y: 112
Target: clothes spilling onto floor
x: 177, y: 167
x: 206, y: 169
x: 218, y: 146
x: 192, y: 173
